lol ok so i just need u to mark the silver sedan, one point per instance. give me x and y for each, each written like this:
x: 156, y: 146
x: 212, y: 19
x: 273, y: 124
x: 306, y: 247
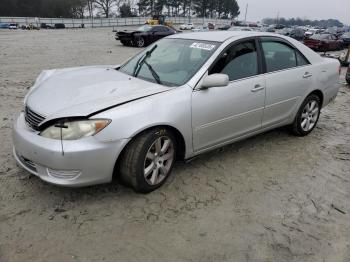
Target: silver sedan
x: 182, y: 96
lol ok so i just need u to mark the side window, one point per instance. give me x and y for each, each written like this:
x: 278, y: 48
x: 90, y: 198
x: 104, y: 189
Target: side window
x: 278, y: 56
x: 155, y: 29
x: 239, y: 61
x: 301, y: 60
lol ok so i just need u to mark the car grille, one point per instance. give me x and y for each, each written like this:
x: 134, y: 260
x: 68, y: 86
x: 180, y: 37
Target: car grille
x: 32, y: 118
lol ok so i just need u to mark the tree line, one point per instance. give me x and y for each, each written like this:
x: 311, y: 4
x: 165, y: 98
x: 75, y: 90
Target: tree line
x: 123, y: 8
x: 303, y: 22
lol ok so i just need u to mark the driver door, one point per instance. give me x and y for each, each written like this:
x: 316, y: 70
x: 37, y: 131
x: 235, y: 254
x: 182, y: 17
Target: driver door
x: 157, y: 33
x: 222, y: 114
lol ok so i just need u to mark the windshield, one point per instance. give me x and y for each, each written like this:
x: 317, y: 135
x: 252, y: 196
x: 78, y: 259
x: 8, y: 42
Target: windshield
x: 171, y: 62
x: 144, y: 28
x: 347, y: 35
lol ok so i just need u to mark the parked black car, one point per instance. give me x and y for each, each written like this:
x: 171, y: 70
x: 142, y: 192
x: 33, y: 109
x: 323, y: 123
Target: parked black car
x: 348, y: 75
x: 224, y: 27
x: 46, y: 26
x: 60, y: 26
x: 144, y: 35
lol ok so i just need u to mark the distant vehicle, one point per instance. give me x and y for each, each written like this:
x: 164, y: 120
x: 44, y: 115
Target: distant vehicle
x: 144, y: 35
x: 188, y: 26
x: 346, y: 38
x: 46, y: 26
x: 280, y: 26
x: 13, y: 26
x: 297, y: 34
x: 236, y: 28
x: 4, y: 26
x: 203, y: 28
x: 224, y: 27
x: 312, y: 31
x: 30, y: 27
x: 60, y: 26
x: 285, y: 31
x: 324, y: 42
x: 182, y: 96
x: 347, y: 77
x: 159, y: 20
x: 210, y: 26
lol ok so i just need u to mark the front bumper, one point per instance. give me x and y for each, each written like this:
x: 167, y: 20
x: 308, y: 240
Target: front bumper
x: 83, y: 162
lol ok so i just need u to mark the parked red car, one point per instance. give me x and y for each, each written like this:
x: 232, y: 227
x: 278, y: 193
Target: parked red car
x: 324, y: 42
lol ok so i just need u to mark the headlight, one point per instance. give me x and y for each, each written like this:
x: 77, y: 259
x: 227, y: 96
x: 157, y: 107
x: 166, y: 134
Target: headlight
x: 75, y: 129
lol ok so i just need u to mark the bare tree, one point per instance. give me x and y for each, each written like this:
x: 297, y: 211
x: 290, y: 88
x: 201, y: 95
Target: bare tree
x: 105, y: 5
x: 90, y: 7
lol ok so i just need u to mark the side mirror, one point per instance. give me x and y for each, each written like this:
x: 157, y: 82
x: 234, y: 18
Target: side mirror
x: 215, y: 80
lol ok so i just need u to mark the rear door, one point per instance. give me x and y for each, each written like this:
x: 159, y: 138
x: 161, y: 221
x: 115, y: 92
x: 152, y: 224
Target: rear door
x: 288, y: 76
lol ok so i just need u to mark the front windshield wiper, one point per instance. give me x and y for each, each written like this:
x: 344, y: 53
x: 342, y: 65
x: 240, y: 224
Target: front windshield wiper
x: 154, y: 73
x: 141, y: 60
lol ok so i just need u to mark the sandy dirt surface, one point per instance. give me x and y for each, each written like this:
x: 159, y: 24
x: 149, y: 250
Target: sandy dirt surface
x: 274, y: 197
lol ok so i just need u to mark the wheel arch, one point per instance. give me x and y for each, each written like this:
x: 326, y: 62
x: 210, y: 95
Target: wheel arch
x: 180, y: 142
x: 319, y: 93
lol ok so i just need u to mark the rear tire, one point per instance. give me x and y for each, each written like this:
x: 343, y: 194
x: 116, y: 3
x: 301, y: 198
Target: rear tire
x: 147, y: 161
x: 307, y: 116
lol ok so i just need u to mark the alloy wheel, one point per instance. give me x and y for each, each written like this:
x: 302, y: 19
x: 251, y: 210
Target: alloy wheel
x: 159, y: 159
x: 140, y: 42
x: 309, y: 116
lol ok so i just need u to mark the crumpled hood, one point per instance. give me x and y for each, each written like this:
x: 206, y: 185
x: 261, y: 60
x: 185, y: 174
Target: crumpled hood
x: 83, y: 91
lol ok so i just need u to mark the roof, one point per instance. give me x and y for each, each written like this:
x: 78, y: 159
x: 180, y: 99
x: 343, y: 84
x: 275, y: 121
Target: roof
x: 218, y: 36
x: 222, y: 36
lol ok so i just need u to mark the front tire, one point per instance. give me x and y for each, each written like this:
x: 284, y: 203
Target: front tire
x: 140, y: 41
x: 148, y: 160
x: 307, y: 116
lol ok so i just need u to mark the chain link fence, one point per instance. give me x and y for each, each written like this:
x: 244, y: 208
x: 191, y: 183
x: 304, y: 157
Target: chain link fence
x: 103, y: 22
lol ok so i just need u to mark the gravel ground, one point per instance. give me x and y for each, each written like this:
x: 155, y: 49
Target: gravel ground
x: 274, y: 197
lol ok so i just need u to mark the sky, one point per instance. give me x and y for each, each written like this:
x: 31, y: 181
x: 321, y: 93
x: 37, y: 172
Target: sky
x: 311, y: 9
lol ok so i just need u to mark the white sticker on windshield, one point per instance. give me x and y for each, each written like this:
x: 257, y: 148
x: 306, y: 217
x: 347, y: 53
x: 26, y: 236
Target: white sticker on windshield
x: 203, y: 46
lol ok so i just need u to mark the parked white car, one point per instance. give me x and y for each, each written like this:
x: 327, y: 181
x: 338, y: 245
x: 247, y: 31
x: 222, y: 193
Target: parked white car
x: 203, y: 28
x: 182, y: 96
x: 13, y: 26
x: 187, y: 26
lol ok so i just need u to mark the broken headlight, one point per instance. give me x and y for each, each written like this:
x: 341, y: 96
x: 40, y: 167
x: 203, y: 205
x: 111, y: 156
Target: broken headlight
x: 73, y: 130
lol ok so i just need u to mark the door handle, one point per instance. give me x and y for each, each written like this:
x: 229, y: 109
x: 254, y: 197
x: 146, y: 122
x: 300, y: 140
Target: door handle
x: 307, y: 75
x: 257, y: 88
